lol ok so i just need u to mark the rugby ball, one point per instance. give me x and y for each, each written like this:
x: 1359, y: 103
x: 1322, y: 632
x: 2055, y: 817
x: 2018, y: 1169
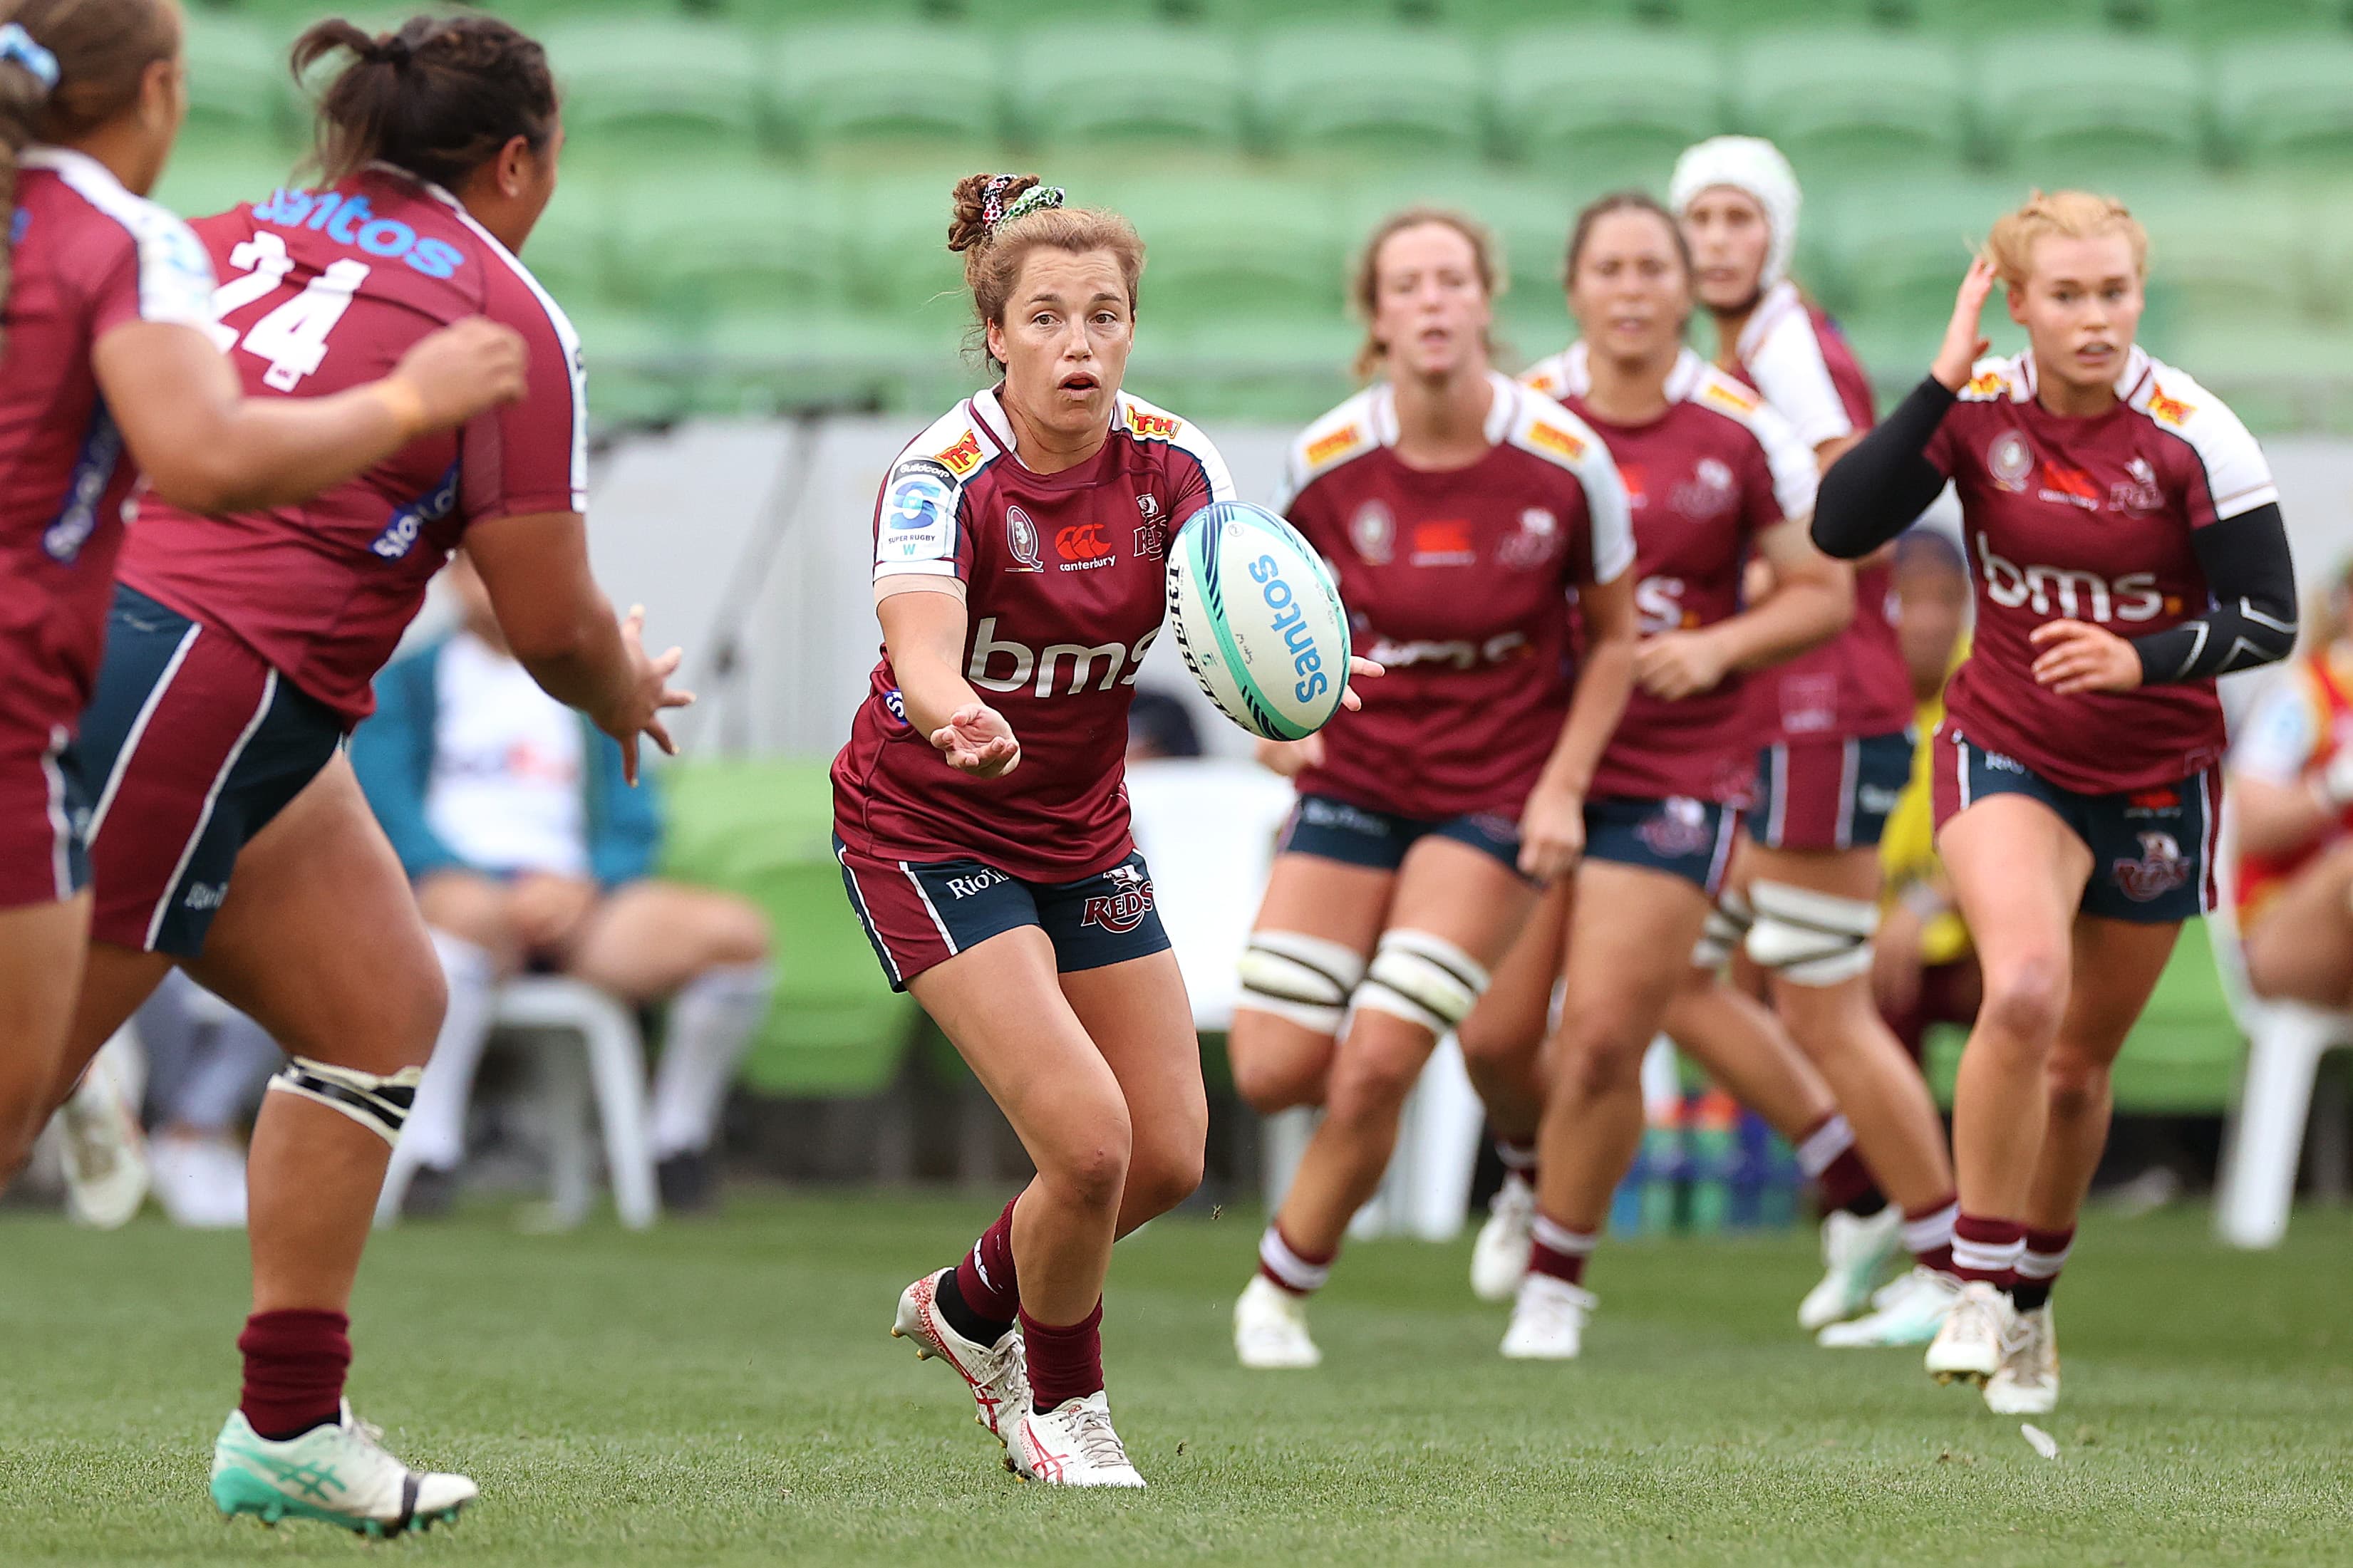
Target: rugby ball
x: 1258, y: 620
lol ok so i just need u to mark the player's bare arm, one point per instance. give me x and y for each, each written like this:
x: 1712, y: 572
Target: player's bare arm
x: 1552, y: 827
x: 926, y: 633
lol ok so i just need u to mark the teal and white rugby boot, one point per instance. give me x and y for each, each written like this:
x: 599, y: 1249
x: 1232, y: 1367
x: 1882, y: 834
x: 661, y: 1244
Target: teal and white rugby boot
x: 338, y: 1473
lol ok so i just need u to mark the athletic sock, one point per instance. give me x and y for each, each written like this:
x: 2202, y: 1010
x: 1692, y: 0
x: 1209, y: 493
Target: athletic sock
x: 1519, y: 1159
x: 985, y: 1283
x: 1928, y: 1234
x: 1290, y: 1269
x: 1987, y: 1250
x: 1558, y: 1251
x: 1065, y: 1363
x: 1827, y: 1154
x: 2044, y: 1255
x: 711, y: 1027
x: 295, y: 1361
x: 961, y: 1317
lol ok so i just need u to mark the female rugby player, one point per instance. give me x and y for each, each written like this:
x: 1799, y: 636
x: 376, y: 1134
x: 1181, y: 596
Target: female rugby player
x: 229, y: 835
x: 2128, y: 548
x: 1710, y: 474
x: 1460, y: 509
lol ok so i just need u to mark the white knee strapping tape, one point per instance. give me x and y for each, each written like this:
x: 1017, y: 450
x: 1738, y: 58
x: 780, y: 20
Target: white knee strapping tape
x: 1728, y: 920
x: 1814, y: 939
x: 1304, y: 979
x: 1422, y: 979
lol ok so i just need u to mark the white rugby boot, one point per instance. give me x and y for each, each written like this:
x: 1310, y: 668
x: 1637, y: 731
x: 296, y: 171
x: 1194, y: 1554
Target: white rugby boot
x: 104, y: 1148
x: 1270, y: 1328
x: 1548, y: 1319
x: 1969, y: 1344
x: 1498, y: 1258
x: 998, y: 1374
x: 1071, y: 1445
x: 338, y: 1473
x: 1907, y: 1310
x: 2026, y: 1384
x: 1855, y: 1252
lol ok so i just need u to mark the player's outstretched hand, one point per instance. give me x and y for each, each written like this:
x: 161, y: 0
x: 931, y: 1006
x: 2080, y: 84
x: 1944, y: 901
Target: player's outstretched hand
x: 1358, y: 669
x: 977, y: 741
x: 1964, y: 341
x: 1677, y: 665
x: 1552, y: 834
x: 2079, y: 657
x: 650, y: 693
x: 466, y: 368
x: 1290, y: 758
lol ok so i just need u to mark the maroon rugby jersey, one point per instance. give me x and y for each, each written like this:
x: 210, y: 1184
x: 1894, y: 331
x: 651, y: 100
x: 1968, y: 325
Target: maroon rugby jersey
x: 88, y: 257
x: 2090, y: 519
x: 325, y: 290
x: 1457, y: 582
x: 1855, y: 684
x: 1065, y: 581
x: 1702, y: 480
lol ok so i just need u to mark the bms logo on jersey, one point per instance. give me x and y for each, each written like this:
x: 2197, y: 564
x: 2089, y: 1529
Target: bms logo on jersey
x: 2067, y: 591
x: 990, y: 653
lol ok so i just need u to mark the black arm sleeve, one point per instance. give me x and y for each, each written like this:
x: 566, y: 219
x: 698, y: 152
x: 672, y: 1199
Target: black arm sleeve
x: 1884, y: 482
x: 2253, y: 579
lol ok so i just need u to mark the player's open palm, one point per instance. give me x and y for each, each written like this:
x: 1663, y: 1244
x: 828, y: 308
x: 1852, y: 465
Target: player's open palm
x: 1964, y: 338
x: 649, y: 695
x: 977, y: 741
x: 465, y: 369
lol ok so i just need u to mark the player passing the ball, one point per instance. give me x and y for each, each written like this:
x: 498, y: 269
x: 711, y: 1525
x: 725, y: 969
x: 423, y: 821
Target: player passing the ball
x: 2127, y: 545
x: 1711, y: 475
x: 227, y: 834
x: 1460, y: 510
x: 980, y: 817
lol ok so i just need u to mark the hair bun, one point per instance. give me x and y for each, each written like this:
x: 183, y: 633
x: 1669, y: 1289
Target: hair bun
x: 392, y: 50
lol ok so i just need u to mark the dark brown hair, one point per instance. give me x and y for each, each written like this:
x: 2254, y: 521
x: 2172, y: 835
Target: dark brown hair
x: 993, y: 252
x: 1365, y: 284
x: 1623, y: 202
x: 103, y: 48
x: 438, y: 96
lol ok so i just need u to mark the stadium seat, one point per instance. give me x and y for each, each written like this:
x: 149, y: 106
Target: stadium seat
x: 1235, y: 257
x: 2226, y: 22
x: 199, y: 181
x: 238, y: 91
x: 2223, y: 263
x: 659, y: 92
x: 1844, y: 105
x: 2287, y: 106
x: 1392, y: 92
x: 1901, y: 248
x: 1606, y: 108
x: 694, y: 247
x: 2089, y: 108
x: 1191, y: 97
x: 888, y: 84
x: 1067, y: 18
x: 1742, y: 18
x: 1984, y: 20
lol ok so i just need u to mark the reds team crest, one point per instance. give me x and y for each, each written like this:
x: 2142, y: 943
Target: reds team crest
x: 2160, y: 868
x: 1122, y: 908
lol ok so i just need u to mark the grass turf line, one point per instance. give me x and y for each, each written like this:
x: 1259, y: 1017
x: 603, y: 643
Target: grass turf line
x: 725, y: 1393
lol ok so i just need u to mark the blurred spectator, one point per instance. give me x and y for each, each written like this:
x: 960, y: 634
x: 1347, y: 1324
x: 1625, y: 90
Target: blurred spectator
x: 529, y: 851
x: 1160, y: 725
x: 1922, y: 968
x: 2291, y: 797
x: 207, y: 1065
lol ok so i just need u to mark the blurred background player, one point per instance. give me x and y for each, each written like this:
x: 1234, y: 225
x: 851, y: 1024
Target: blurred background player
x: 2291, y: 817
x: 1460, y: 510
x: 109, y: 374
x: 530, y: 850
x: 229, y: 835
x: 1835, y: 753
x: 1711, y: 475
x: 206, y: 1067
x: 2077, y: 785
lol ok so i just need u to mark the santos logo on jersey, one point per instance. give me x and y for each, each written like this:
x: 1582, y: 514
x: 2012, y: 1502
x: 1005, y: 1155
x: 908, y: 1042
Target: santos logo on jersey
x: 1047, y: 663
x: 2076, y: 595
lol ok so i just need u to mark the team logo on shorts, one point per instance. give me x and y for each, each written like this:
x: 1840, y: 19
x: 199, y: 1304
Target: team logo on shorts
x: 1121, y: 910
x: 1021, y: 540
x: 1677, y: 829
x: 1152, y: 534
x: 2009, y: 460
x: 1536, y: 542
x: 2160, y: 868
x: 1374, y: 533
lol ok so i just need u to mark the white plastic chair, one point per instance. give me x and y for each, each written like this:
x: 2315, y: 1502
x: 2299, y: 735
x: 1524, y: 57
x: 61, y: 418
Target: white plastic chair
x: 2263, y: 1139
x: 551, y: 1016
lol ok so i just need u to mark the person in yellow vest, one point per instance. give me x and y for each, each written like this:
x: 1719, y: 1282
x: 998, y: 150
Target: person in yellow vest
x: 1923, y: 969
x: 2291, y: 795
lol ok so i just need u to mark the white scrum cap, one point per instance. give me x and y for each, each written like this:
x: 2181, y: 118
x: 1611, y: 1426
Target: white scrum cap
x: 1753, y: 165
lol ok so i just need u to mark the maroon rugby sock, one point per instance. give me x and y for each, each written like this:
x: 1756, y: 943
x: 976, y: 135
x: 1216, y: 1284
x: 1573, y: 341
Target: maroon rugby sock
x: 1065, y: 1363
x: 984, y: 1277
x: 1987, y: 1250
x: 294, y: 1366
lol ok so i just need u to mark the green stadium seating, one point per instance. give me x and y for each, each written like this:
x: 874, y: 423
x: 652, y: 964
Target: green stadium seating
x: 656, y: 91
x: 697, y: 245
x: 237, y: 88
x: 1191, y: 97
x: 832, y: 13
x: 2223, y: 21
x: 2288, y: 106
x: 1237, y: 263
x: 1847, y: 105
x: 1064, y: 17
x: 1901, y: 248
x: 886, y: 84
x: 2063, y: 109
x: 570, y: 250
x: 901, y: 272
x: 1607, y: 108
x: 1984, y: 20
x: 1740, y: 18
x: 2223, y: 262
x: 1391, y: 93
x: 763, y: 829
x: 199, y: 182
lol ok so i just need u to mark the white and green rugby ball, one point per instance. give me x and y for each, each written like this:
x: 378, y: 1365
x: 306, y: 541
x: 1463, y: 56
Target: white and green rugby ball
x: 1258, y: 620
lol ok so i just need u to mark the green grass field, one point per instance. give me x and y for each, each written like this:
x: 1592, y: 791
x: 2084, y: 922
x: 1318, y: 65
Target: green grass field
x: 725, y: 1393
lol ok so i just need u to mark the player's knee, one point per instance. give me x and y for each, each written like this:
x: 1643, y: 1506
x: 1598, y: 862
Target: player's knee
x: 1270, y: 1079
x: 1161, y: 1177
x: 1813, y: 941
x: 1371, y: 1087
x: 2076, y: 1084
x: 1089, y: 1169
x: 1594, y: 1062
x: 1301, y: 980
x: 2026, y: 1001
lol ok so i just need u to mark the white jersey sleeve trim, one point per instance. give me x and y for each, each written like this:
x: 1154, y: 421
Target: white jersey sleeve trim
x: 919, y: 519
x: 1149, y: 422
x: 1559, y: 376
x: 1796, y: 474
x: 1783, y: 354
x: 176, y: 275
x: 1557, y: 435
x: 2237, y: 475
x: 1337, y: 437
